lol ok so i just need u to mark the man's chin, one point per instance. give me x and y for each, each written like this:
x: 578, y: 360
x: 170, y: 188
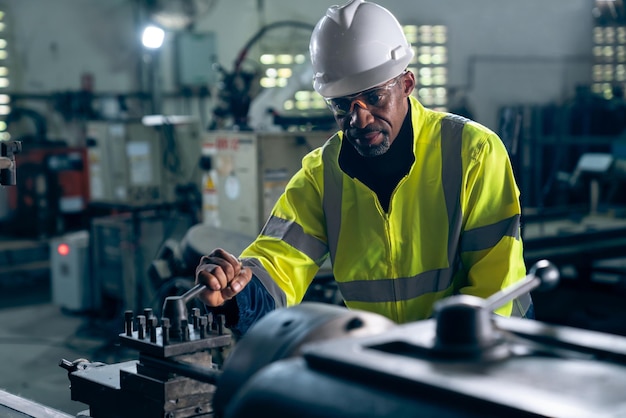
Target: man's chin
x: 369, y: 151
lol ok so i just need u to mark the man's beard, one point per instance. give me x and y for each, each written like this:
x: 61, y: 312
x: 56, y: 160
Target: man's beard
x: 367, y: 150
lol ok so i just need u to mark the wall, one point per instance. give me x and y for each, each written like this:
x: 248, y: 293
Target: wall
x: 501, y: 51
x: 57, y: 41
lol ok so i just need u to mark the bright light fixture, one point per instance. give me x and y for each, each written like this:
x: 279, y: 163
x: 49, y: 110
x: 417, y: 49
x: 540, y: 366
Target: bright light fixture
x: 152, y: 37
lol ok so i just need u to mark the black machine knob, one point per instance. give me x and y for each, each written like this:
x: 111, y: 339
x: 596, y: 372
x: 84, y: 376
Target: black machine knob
x: 464, y: 323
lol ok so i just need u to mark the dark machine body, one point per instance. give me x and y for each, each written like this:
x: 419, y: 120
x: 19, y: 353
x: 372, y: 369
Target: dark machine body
x: 322, y: 360
x: 542, y: 371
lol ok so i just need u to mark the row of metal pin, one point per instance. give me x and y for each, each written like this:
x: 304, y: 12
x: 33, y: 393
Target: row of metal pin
x: 147, y: 325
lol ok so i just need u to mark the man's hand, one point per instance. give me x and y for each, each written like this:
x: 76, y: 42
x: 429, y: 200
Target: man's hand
x: 223, y: 275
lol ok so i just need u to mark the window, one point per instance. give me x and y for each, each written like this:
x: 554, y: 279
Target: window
x: 429, y: 64
x: 278, y: 69
x: 608, y: 72
x: 5, y: 100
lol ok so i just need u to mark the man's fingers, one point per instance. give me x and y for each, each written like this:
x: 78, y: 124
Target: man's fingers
x: 227, y: 261
x: 237, y: 284
x: 224, y: 276
x: 213, y: 276
x: 211, y: 298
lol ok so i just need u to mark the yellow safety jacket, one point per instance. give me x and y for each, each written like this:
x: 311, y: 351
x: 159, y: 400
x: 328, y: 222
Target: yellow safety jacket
x: 452, y: 227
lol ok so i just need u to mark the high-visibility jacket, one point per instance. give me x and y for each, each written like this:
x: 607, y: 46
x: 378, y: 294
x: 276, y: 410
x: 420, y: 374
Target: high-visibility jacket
x: 452, y: 227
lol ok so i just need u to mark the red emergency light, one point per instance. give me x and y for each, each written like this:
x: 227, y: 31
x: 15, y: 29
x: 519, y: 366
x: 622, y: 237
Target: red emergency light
x: 63, y: 249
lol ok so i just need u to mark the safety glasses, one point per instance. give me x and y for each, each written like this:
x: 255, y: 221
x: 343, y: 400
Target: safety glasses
x: 377, y: 97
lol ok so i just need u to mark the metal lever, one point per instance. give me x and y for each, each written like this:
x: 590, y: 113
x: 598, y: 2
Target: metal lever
x: 542, y: 274
x: 465, y: 328
x: 175, y: 308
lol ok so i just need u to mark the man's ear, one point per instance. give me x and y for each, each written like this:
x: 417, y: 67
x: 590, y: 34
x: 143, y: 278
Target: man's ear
x: 408, y: 83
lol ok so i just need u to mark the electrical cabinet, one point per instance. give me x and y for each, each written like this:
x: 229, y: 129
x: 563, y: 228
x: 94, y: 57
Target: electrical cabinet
x: 140, y: 163
x: 250, y: 171
x: 72, y: 288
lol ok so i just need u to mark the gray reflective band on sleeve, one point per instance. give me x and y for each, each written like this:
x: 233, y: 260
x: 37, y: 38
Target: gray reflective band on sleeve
x: 392, y: 290
x: 270, y: 285
x: 488, y: 236
x: 293, y: 234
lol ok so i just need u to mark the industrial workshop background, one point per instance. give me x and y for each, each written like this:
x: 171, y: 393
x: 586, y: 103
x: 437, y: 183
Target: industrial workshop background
x: 138, y: 154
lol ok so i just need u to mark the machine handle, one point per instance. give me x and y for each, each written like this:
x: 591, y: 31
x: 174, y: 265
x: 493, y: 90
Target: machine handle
x: 542, y: 274
x: 193, y: 292
x: 464, y: 327
x: 175, y: 309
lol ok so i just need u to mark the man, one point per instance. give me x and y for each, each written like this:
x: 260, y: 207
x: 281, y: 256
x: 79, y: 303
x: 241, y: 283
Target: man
x: 411, y: 205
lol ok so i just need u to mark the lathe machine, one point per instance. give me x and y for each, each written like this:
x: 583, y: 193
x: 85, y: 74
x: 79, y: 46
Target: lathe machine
x: 322, y: 360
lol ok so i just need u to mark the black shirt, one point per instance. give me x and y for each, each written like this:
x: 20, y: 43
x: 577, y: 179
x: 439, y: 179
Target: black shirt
x: 382, y: 173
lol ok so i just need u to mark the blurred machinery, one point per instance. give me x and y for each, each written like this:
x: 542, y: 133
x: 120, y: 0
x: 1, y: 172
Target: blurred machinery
x: 72, y: 284
x: 244, y: 173
x: 123, y: 247
x: 52, y: 191
x: 569, y: 163
x: 8, y: 149
x: 316, y: 360
x: 143, y: 180
x: 242, y: 103
x: 250, y: 170
x: 546, y: 143
x: 142, y: 162
x: 155, y: 169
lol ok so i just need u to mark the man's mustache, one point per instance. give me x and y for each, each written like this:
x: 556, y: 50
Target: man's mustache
x: 360, y: 132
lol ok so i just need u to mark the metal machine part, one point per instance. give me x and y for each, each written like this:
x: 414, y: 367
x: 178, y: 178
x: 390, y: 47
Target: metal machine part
x: 13, y: 406
x: 315, y: 360
x: 282, y: 334
x: 464, y: 325
x: 174, y: 377
x: 462, y: 363
x: 398, y: 374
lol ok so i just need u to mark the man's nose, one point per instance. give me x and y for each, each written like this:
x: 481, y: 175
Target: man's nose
x: 357, y: 101
x: 360, y: 116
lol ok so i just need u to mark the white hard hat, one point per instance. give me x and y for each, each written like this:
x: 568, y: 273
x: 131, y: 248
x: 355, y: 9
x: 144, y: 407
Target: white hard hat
x: 355, y: 47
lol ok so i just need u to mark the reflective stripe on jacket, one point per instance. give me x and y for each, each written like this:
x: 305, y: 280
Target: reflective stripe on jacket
x: 452, y: 225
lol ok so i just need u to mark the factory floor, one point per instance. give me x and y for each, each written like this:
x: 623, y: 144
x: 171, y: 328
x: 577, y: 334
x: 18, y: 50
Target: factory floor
x: 36, y: 334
